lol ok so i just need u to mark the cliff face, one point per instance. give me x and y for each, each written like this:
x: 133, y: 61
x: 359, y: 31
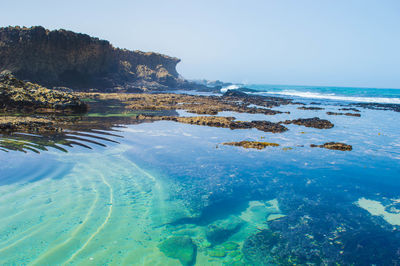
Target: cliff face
x: 65, y: 58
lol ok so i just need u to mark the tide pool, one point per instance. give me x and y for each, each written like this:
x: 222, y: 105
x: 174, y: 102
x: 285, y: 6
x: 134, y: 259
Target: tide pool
x: 165, y: 182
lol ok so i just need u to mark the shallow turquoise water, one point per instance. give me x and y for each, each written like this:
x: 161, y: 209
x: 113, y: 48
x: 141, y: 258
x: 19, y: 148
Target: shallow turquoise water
x: 114, y: 205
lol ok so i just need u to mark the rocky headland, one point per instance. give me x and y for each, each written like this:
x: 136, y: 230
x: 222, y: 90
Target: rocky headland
x: 62, y: 58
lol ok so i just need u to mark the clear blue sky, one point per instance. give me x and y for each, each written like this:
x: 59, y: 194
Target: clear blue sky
x: 305, y: 42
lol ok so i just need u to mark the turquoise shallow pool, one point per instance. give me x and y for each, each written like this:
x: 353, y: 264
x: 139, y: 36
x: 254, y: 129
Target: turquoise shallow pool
x: 167, y: 186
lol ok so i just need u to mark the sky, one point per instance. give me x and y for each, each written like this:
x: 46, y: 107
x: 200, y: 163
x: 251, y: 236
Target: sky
x: 295, y: 42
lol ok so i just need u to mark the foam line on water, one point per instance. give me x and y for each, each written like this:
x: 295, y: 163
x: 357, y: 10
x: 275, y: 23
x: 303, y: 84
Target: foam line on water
x: 331, y: 96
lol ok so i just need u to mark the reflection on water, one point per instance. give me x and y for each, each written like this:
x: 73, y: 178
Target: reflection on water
x: 59, y: 140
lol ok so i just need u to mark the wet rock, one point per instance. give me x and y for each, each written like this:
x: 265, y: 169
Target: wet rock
x: 27, y: 124
x: 347, y: 114
x: 379, y: 106
x: 315, y: 122
x: 221, y: 121
x: 181, y: 248
x: 269, y: 126
x: 334, y: 146
x: 349, y: 109
x: 251, y: 144
x: 219, y: 231
x: 309, y: 108
x: 20, y: 96
x: 235, y: 93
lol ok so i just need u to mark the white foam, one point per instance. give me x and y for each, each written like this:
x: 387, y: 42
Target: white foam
x: 230, y: 87
x: 331, y: 96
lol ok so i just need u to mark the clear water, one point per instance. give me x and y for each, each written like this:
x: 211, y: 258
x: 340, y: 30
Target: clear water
x: 115, y: 204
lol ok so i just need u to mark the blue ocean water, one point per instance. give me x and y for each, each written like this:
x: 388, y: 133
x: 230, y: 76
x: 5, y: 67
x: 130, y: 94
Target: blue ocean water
x: 118, y: 203
x: 347, y: 94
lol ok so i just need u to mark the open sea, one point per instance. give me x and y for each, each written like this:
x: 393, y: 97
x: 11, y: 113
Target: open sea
x: 165, y: 193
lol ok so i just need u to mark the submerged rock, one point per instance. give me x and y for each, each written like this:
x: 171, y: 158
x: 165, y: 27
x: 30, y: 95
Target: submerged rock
x: 257, y: 248
x: 310, y: 108
x: 252, y: 144
x: 217, y: 252
x: 181, y: 248
x: 314, y: 122
x: 349, y: 109
x: 219, y: 231
x: 347, y: 114
x: 334, y: 146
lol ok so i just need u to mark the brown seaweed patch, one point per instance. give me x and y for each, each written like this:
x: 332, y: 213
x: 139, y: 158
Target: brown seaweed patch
x: 252, y: 144
x: 334, y: 146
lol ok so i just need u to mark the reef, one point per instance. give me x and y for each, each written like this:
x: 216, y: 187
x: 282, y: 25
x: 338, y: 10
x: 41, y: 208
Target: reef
x: 252, y: 144
x: 347, y: 114
x: 220, y: 121
x: 379, y: 106
x: 349, y: 109
x: 310, y: 108
x: 62, y: 58
x: 257, y: 248
x: 181, y: 248
x: 334, y: 146
x: 219, y: 231
x: 26, y: 97
x: 311, y: 122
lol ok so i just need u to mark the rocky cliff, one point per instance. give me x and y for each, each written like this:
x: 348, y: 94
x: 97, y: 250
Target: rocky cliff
x: 64, y: 58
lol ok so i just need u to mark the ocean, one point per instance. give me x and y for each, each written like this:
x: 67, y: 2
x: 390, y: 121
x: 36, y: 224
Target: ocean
x: 346, y: 94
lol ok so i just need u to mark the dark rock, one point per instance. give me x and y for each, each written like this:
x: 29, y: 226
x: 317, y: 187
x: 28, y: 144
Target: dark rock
x: 334, y: 146
x: 310, y: 108
x: 349, y: 109
x: 379, y: 106
x: 20, y: 96
x: 257, y: 248
x: 267, y: 126
x: 235, y: 93
x: 347, y: 114
x: 315, y: 122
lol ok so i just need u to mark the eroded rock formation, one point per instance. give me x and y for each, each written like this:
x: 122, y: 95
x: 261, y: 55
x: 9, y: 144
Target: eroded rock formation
x: 65, y: 58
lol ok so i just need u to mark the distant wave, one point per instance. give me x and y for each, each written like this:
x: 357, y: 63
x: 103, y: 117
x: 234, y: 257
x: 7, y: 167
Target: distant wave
x: 230, y: 87
x: 331, y: 96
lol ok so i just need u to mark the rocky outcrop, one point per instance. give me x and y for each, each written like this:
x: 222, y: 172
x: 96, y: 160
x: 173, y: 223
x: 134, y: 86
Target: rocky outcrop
x: 314, y: 122
x: 334, y: 146
x: 65, y: 58
x: 26, y: 97
x: 310, y: 108
x: 220, y: 121
x: 347, y: 114
x: 252, y: 144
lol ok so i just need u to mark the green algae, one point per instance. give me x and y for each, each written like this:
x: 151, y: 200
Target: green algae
x: 217, y: 253
x: 181, y: 248
x: 230, y: 246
